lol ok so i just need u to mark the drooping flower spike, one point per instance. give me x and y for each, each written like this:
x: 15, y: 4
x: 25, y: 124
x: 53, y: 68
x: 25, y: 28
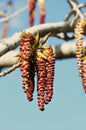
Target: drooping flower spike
x: 84, y: 74
x: 41, y: 80
x: 31, y: 7
x: 80, y: 56
x: 32, y: 10
x: 25, y: 61
x: 50, y: 62
x: 42, y: 10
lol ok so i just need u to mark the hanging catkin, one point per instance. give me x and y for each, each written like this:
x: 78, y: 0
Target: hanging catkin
x: 25, y: 55
x: 41, y: 76
x: 50, y: 62
x: 79, y: 30
x: 80, y: 56
x: 84, y: 73
x: 32, y: 82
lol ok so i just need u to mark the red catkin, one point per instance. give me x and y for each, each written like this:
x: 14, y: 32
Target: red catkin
x: 84, y: 74
x: 80, y: 56
x: 79, y: 30
x: 41, y: 76
x: 31, y: 6
x: 25, y: 54
x: 50, y: 62
x: 32, y: 82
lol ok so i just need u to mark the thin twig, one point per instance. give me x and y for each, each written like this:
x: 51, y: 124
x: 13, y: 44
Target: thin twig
x: 73, y: 21
x: 9, y: 70
x: 64, y: 36
x: 73, y: 11
x: 14, y: 14
x: 74, y: 1
x: 75, y: 7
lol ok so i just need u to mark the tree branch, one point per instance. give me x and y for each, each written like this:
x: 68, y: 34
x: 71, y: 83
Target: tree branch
x: 8, y: 54
x: 11, y: 43
x: 9, y: 59
x: 62, y: 51
x: 73, y: 1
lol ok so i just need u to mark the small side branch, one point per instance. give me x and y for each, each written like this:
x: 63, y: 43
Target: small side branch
x: 9, y: 70
x: 75, y: 7
x: 7, y: 18
x: 73, y: 11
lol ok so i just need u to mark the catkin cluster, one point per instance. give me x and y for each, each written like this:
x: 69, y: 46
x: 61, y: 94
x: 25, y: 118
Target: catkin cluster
x: 80, y: 55
x: 45, y: 75
x: 37, y: 60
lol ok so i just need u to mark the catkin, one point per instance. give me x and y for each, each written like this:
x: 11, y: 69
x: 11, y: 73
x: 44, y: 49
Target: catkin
x: 25, y: 54
x: 50, y: 62
x: 80, y: 56
x: 41, y: 76
x: 84, y: 74
x: 79, y: 30
x: 32, y: 82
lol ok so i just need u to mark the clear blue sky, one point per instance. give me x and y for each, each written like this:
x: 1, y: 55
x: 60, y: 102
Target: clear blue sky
x: 67, y: 111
